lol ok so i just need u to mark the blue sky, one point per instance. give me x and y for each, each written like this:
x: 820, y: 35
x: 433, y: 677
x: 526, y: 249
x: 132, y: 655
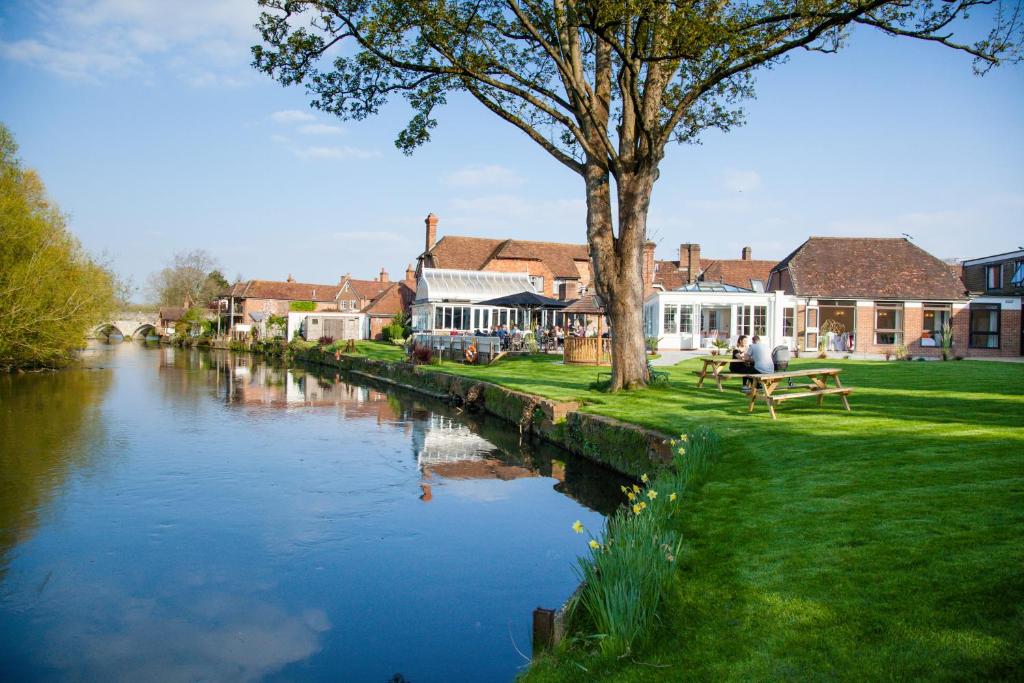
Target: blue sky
x: 153, y: 133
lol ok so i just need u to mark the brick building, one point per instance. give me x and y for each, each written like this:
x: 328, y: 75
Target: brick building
x: 873, y: 295
x: 996, y: 285
x: 556, y: 270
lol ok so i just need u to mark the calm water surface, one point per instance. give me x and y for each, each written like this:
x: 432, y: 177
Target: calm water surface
x: 194, y: 516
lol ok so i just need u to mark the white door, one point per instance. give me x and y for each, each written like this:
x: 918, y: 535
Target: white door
x: 811, y: 328
x: 687, y: 337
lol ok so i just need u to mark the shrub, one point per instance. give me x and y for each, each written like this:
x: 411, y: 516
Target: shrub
x: 901, y: 352
x: 302, y: 306
x: 531, y: 343
x: 421, y: 354
x: 652, y: 344
x: 325, y: 340
x: 394, y: 330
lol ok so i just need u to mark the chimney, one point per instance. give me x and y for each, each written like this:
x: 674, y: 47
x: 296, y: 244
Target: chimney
x: 746, y: 254
x: 689, y: 258
x: 383, y: 275
x: 431, y: 222
x: 647, y: 268
x: 569, y: 290
x: 290, y: 278
x: 410, y: 275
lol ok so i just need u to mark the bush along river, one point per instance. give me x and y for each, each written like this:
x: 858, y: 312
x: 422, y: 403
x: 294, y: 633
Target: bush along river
x: 183, y: 515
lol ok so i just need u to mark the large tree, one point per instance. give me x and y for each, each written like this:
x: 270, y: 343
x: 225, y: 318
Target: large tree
x: 602, y: 86
x: 51, y: 291
x: 191, y: 276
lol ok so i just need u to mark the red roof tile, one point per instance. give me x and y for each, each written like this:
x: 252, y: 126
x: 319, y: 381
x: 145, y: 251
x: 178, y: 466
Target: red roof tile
x: 474, y: 253
x: 284, y: 291
x: 869, y: 268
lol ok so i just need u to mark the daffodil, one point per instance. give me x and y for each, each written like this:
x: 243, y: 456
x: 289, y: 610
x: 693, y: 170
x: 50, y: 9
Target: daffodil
x: 594, y: 545
x: 643, y: 505
x: 672, y: 496
x: 636, y: 489
x: 644, y: 478
x: 577, y: 526
x: 630, y: 495
x: 652, y: 494
x: 637, y: 509
x: 624, y: 489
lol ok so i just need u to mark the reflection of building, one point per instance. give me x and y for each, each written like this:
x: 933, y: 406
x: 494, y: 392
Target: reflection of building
x: 449, y: 449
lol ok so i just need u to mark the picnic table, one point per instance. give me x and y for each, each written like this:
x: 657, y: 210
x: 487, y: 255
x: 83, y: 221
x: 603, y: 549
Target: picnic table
x: 766, y: 386
x: 716, y: 365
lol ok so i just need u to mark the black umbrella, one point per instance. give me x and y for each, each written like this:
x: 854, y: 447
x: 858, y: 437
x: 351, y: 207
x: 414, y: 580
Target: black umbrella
x: 524, y: 300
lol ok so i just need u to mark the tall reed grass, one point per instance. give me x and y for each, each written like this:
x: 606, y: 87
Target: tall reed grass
x: 633, y: 564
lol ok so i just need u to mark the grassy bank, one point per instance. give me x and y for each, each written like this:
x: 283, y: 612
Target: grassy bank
x: 883, y: 543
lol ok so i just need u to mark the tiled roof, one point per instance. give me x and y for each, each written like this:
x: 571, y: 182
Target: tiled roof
x: 394, y: 300
x: 671, y: 274
x: 869, y: 268
x: 737, y: 272
x: 286, y: 291
x: 473, y: 253
x: 172, y: 313
x: 363, y: 289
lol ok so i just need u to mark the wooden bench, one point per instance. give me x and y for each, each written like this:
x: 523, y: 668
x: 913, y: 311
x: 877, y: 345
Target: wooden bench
x: 767, y: 387
x: 714, y: 366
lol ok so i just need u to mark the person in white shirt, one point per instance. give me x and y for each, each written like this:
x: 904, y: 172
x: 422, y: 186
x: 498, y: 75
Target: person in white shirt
x: 761, y: 356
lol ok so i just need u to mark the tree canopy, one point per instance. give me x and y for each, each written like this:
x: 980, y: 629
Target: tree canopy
x: 601, y: 86
x: 194, y: 276
x: 51, y: 291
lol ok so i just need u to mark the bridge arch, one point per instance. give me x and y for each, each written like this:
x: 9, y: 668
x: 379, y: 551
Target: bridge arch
x: 143, y: 331
x: 104, y: 330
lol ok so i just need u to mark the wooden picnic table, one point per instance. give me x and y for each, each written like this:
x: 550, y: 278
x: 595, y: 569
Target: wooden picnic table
x: 766, y: 386
x: 717, y: 364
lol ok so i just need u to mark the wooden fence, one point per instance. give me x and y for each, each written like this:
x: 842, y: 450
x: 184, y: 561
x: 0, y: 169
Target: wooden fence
x: 588, y: 350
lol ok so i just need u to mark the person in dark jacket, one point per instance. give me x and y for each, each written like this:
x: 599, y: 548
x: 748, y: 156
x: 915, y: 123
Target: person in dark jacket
x: 740, y: 364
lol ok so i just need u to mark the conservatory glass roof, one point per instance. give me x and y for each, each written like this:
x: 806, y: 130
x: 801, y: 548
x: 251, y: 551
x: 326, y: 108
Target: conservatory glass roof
x: 438, y: 284
x: 710, y: 287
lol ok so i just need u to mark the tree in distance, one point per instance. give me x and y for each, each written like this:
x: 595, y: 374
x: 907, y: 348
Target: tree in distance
x: 602, y: 86
x: 192, y: 278
x: 51, y: 291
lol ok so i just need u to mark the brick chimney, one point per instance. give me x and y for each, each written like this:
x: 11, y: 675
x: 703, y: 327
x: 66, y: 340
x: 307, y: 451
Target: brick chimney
x: 648, y: 265
x: 745, y: 254
x: 383, y: 275
x: 410, y: 275
x: 431, y: 222
x: 689, y: 258
x: 569, y: 290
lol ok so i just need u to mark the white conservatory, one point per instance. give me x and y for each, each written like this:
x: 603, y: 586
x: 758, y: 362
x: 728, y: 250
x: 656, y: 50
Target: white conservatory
x: 696, y: 315
x: 446, y: 300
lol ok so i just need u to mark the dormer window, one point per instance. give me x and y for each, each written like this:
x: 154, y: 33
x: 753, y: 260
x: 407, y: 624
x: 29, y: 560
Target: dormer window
x: 1018, y: 274
x: 757, y: 285
x: 994, y: 276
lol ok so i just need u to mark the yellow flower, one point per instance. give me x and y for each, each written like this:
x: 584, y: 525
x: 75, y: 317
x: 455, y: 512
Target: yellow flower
x: 637, y: 509
x: 643, y: 478
x: 624, y: 489
x: 643, y: 505
x: 630, y: 495
x: 636, y: 489
x: 672, y: 496
x: 684, y: 437
x: 594, y: 544
x: 577, y: 526
x: 652, y: 494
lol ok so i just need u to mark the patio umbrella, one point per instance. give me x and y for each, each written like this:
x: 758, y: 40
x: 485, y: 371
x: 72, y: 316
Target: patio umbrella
x: 524, y: 300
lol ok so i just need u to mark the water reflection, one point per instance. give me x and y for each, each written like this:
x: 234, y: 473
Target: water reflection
x: 46, y: 422
x: 254, y: 521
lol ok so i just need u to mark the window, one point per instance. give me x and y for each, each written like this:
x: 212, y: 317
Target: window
x: 686, y: 319
x: 670, y: 324
x: 538, y: 283
x: 888, y: 323
x: 936, y: 318
x: 984, y: 326
x: 314, y: 321
x: 447, y: 318
x: 993, y: 276
x: 1018, y: 274
x: 757, y: 285
x: 788, y: 317
x: 760, y: 320
x: 439, y: 318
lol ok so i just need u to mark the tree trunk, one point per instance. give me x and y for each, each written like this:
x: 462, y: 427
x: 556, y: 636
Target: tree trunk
x: 618, y: 266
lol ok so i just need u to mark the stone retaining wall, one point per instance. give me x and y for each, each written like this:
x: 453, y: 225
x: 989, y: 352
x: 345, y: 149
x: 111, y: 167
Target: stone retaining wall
x: 620, y: 446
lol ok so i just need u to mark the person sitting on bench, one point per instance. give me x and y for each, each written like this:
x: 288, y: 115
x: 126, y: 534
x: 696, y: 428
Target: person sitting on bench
x: 761, y: 356
x: 740, y: 364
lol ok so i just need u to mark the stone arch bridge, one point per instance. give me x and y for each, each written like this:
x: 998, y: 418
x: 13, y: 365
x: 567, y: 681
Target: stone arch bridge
x: 130, y: 325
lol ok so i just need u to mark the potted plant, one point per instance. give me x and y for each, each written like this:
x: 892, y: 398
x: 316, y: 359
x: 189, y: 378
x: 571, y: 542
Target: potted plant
x: 947, y: 341
x: 721, y: 346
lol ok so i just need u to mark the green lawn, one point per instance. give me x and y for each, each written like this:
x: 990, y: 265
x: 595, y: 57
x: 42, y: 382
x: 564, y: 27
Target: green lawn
x: 886, y: 543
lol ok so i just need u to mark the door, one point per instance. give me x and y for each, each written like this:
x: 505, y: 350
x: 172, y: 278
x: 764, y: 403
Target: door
x: 811, y: 328
x: 687, y: 339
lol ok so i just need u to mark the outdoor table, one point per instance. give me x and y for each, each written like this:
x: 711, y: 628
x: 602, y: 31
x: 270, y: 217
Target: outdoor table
x: 716, y: 364
x: 766, y: 386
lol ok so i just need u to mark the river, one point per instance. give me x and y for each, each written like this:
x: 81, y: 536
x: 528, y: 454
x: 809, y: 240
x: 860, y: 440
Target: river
x: 185, y: 515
